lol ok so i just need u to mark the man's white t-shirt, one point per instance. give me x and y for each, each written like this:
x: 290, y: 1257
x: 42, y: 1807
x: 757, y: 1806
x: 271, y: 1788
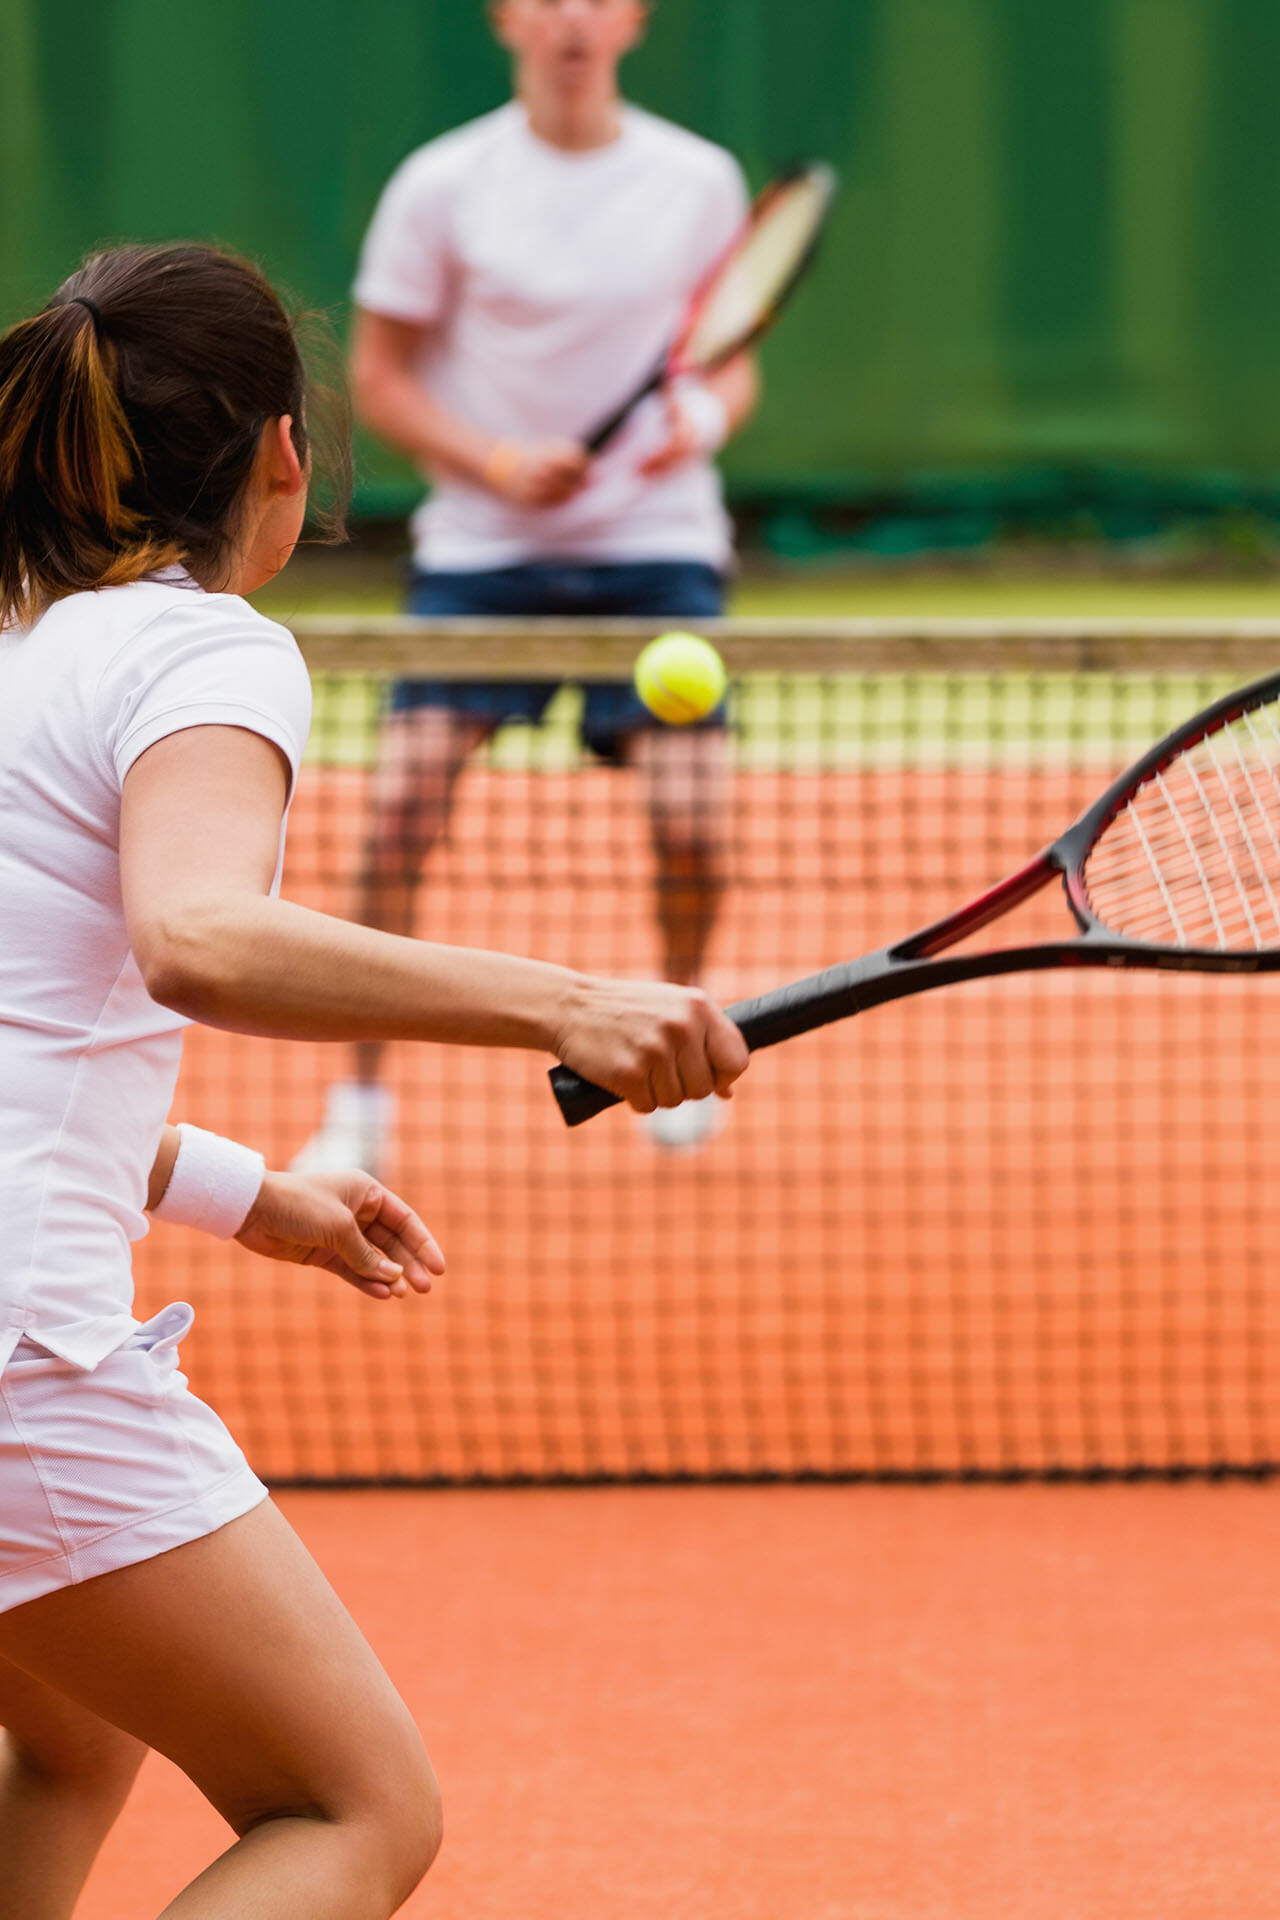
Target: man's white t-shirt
x: 548, y: 284
x: 88, y: 1060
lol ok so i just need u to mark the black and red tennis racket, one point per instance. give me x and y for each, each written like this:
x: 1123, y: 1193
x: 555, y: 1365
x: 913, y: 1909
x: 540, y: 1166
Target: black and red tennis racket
x: 744, y: 292
x: 1176, y: 866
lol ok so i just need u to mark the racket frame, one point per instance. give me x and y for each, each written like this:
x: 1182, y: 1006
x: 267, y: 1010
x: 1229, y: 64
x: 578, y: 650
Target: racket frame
x: 922, y: 960
x: 672, y: 363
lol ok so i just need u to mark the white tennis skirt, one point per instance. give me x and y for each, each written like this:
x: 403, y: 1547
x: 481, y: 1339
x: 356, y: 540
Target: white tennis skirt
x: 101, y: 1470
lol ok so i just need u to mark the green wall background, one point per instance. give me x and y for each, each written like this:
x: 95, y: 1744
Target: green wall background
x: 1054, y: 260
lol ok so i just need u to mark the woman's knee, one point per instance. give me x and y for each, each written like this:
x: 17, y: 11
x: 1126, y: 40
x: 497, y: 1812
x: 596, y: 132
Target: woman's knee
x: 94, y: 1764
x: 397, y: 1840
x: 416, y: 1836
x: 46, y: 1740
x: 387, y: 1811
x: 411, y: 1819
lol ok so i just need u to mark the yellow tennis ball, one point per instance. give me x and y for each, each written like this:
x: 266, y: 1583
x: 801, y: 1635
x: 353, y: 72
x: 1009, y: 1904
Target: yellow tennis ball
x: 681, y: 678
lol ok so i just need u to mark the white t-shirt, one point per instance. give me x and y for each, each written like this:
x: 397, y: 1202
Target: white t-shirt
x: 549, y: 284
x: 88, y: 1060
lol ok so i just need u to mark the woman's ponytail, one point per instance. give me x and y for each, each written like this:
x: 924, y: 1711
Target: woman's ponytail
x: 130, y: 414
x: 66, y: 459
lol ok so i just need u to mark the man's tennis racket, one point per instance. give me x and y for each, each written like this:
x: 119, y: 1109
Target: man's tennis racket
x: 744, y: 292
x: 1176, y: 865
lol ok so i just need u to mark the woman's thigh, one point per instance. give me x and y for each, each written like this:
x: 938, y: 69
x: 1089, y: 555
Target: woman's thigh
x: 234, y: 1657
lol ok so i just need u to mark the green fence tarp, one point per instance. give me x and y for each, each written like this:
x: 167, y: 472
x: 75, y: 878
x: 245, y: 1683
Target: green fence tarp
x: 1054, y: 252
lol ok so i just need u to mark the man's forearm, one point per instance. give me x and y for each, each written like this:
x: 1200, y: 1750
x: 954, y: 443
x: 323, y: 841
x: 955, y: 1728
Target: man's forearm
x: 402, y: 412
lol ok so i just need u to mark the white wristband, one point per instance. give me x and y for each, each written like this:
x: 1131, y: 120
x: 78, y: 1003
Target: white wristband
x: 704, y: 412
x: 213, y: 1185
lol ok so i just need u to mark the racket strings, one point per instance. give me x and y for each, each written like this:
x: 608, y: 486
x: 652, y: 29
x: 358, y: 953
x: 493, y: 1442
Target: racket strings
x: 1193, y: 858
x: 754, y: 279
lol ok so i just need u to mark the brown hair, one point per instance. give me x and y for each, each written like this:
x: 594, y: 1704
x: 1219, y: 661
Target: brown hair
x: 130, y: 414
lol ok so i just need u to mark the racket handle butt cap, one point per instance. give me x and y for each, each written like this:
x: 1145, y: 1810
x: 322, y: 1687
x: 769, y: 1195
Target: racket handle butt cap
x: 579, y: 1099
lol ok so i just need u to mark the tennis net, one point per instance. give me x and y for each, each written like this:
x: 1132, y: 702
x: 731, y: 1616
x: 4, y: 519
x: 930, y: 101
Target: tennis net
x: 1021, y: 1227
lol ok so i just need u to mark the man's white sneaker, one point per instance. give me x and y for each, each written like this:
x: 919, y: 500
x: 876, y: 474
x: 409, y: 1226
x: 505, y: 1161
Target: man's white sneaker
x: 685, y: 1128
x: 355, y: 1131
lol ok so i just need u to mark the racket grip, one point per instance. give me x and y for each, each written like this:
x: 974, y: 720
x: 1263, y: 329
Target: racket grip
x: 778, y: 1015
x: 607, y: 430
x: 579, y: 1099
x: 597, y: 441
x: 775, y: 1016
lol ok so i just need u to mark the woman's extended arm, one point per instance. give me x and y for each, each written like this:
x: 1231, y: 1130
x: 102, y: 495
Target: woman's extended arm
x: 200, y: 821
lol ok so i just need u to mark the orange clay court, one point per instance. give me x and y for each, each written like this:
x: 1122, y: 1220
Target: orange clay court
x: 1023, y: 1228
x: 817, y: 1702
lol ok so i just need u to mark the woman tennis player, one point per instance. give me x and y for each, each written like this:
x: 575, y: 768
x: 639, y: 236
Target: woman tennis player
x: 154, y: 467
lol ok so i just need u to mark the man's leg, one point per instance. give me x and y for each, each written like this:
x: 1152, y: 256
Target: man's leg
x: 686, y: 785
x: 411, y: 798
x: 685, y: 774
x: 423, y: 750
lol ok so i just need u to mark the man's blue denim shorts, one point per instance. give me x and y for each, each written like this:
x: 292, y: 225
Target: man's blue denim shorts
x: 661, y: 589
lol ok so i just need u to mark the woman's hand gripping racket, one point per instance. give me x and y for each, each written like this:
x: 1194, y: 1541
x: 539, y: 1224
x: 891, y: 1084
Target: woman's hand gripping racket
x: 1176, y: 865
x: 745, y: 290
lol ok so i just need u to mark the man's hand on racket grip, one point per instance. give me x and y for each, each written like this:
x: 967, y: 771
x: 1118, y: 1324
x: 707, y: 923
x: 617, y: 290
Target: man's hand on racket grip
x: 697, y: 424
x: 652, y: 1044
x: 535, y: 473
x: 347, y: 1223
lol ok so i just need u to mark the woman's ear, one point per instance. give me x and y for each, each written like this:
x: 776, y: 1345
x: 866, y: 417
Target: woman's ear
x: 285, y: 471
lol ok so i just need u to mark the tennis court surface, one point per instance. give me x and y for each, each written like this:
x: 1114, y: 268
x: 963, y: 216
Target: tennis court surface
x: 1017, y: 1230
x: 809, y: 1702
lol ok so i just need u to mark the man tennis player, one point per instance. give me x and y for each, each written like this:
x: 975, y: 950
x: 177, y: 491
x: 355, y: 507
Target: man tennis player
x: 520, y: 276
